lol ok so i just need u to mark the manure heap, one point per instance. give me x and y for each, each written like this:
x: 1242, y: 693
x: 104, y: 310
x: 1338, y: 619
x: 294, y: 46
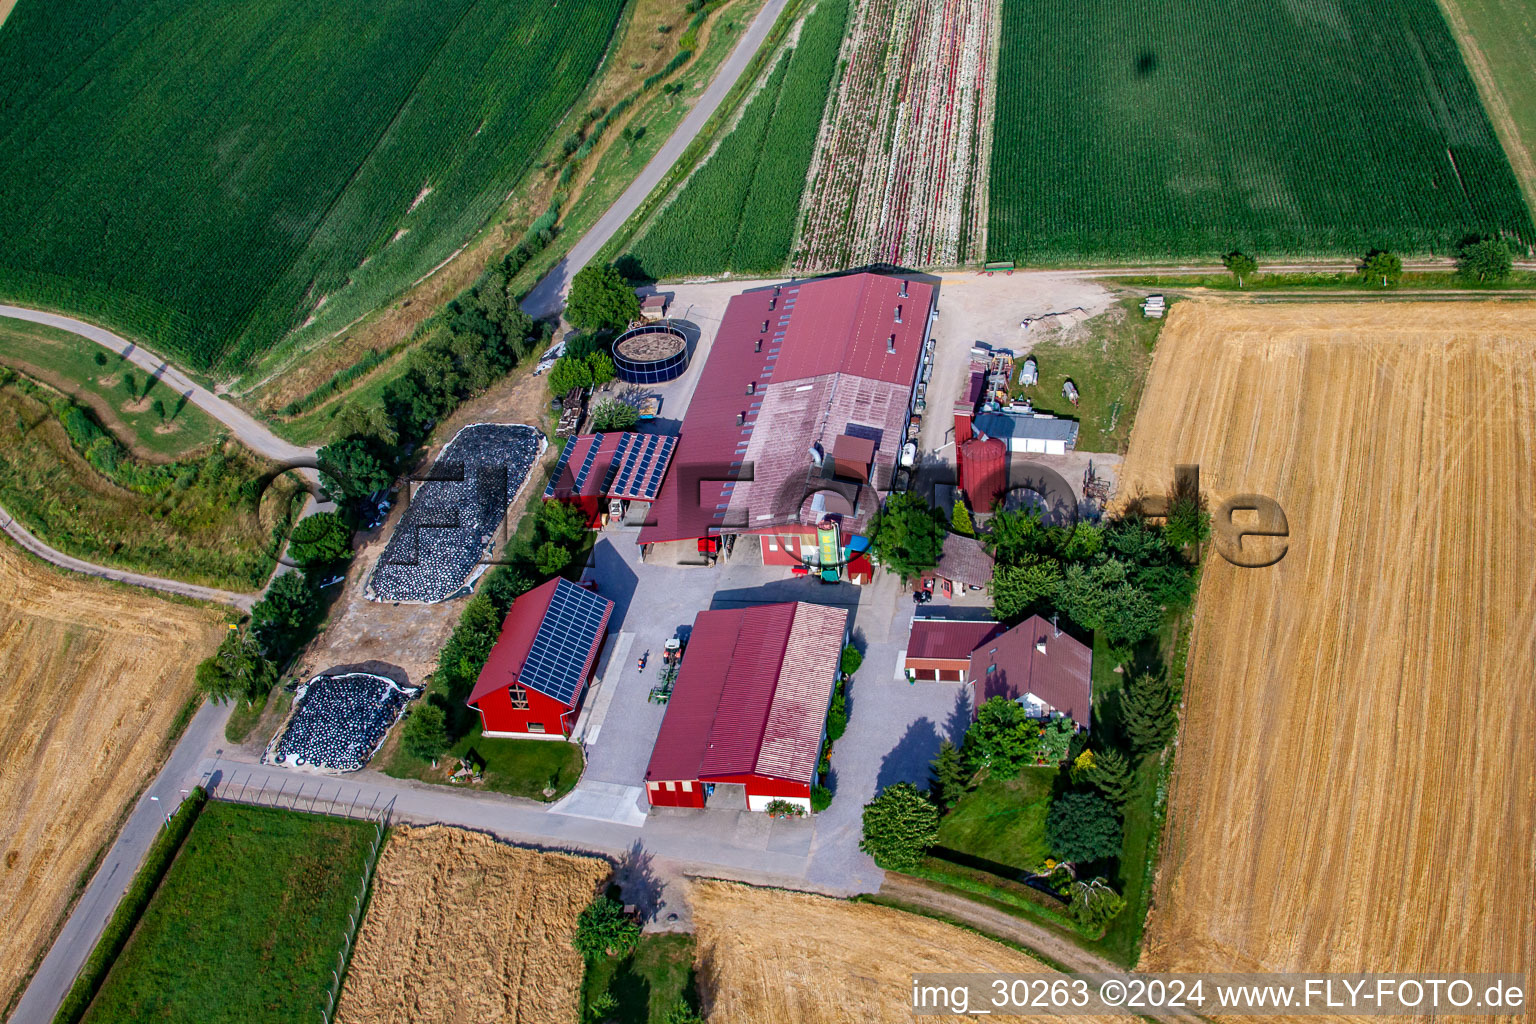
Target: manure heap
x: 453, y: 515
x: 339, y: 721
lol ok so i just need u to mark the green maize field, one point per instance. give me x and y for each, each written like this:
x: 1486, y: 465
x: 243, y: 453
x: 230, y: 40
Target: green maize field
x: 1187, y: 128
x: 202, y: 175
x: 738, y: 211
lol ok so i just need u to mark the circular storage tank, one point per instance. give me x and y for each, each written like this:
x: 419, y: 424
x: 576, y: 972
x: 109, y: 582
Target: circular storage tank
x: 986, y: 471
x: 651, y: 353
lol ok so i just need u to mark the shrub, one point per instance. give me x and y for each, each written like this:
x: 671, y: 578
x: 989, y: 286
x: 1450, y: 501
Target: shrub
x: 837, y: 716
x: 426, y: 732
x: 1082, y: 827
x: 821, y: 798
x: 323, y: 539
x: 1486, y: 260
x: 612, y: 414
x: 899, y: 826
x: 851, y: 660
x: 604, y: 930
x: 784, y: 808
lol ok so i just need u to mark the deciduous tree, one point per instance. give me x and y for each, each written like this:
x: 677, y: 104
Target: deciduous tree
x: 908, y: 535
x: 603, y: 930
x: 1240, y: 265
x: 1486, y: 260
x: 899, y: 826
x: 1382, y: 266
x: 612, y: 414
x: 425, y: 734
x: 600, y: 299
x: 322, y: 539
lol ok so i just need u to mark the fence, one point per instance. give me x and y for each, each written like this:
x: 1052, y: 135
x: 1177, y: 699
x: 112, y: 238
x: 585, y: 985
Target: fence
x: 338, y: 804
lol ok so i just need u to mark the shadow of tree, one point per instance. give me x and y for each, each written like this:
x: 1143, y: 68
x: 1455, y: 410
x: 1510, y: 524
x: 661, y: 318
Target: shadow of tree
x: 909, y: 759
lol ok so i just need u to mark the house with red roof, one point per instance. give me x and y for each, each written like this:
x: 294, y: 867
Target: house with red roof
x: 747, y: 717
x: 596, y: 470
x: 1047, y: 671
x: 800, y: 414
x: 537, y: 674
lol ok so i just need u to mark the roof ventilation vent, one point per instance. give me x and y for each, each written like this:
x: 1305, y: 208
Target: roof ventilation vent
x: 890, y: 344
x: 741, y: 418
x: 751, y: 387
x: 1040, y: 645
x: 898, y: 314
x: 759, y: 346
x: 903, y: 289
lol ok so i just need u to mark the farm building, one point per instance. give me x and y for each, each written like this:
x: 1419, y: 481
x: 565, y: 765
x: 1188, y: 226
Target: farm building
x: 748, y: 712
x: 533, y: 682
x: 1034, y: 663
x: 963, y: 563
x: 606, y: 473
x: 1023, y: 431
x: 800, y: 415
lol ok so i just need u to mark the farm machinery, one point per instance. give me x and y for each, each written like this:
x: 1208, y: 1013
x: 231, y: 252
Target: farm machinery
x: 671, y: 661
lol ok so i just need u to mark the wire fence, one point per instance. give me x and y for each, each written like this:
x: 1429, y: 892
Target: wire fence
x: 319, y: 796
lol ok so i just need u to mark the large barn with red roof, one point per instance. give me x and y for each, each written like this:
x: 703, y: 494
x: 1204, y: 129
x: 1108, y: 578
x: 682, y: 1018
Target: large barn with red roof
x: 749, y: 707
x: 800, y: 414
x: 536, y: 675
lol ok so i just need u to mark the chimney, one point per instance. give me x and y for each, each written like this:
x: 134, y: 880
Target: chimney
x: 1040, y: 645
x: 903, y: 289
x: 765, y: 326
x: 759, y: 346
x: 898, y: 314
x: 751, y: 387
x: 890, y: 344
x: 741, y: 418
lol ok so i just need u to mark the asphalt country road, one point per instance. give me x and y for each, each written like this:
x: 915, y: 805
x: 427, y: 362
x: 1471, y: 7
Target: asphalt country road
x: 548, y: 296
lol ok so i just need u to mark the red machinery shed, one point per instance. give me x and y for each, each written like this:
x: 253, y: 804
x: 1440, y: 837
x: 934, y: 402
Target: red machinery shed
x: 594, y: 469
x: 749, y: 707
x: 533, y: 682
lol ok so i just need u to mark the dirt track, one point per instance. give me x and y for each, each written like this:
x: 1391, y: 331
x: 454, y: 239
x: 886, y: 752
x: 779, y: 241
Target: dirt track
x: 772, y: 955
x: 464, y: 928
x: 91, y: 677
x: 1356, y: 782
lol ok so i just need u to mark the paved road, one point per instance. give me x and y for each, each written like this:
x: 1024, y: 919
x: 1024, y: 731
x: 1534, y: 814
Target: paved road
x: 548, y: 296
x: 20, y: 535
x: 242, y: 424
x: 89, y: 917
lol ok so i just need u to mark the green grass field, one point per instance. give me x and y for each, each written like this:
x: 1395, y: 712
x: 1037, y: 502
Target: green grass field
x: 192, y: 520
x: 68, y: 363
x: 1108, y: 358
x: 515, y: 767
x: 246, y: 925
x: 205, y: 176
x: 1187, y: 129
x: 646, y: 985
x: 1003, y: 821
x: 738, y: 211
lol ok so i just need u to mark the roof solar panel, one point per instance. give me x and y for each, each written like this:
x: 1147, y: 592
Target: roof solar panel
x: 557, y: 661
x: 560, y: 465
x: 640, y: 464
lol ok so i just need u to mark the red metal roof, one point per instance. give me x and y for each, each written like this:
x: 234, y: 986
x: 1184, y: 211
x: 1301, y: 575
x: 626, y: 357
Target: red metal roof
x: 751, y: 695
x: 948, y: 639
x: 1061, y: 675
x: 836, y: 331
x: 519, y: 630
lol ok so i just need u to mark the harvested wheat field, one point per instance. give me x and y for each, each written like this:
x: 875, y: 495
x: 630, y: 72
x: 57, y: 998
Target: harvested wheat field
x: 1356, y: 778
x: 91, y: 677
x: 464, y: 928
x: 772, y: 955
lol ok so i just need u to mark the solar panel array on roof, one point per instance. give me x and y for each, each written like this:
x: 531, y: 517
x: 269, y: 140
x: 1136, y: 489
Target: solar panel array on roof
x: 557, y: 661
x: 639, y: 466
x: 559, y: 473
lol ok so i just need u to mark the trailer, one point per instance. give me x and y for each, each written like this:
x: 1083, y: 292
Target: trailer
x: 650, y: 407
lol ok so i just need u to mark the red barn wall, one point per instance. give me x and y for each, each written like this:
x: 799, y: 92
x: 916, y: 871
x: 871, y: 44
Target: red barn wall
x: 498, y: 717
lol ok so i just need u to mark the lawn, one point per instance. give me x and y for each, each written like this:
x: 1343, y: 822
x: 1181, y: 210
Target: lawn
x: 1107, y: 357
x: 1198, y: 126
x: 212, y: 176
x: 515, y: 767
x: 1002, y: 821
x: 69, y: 363
x: 196, y: 520
x: 648, y: 983
x: 247, y: 923
x: 738, y: 211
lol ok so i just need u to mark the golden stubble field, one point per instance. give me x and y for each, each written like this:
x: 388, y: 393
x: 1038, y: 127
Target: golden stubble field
x: 1356, y: 777
x: 461, y: 927
x: 91, y: 677
x: 771, y: 955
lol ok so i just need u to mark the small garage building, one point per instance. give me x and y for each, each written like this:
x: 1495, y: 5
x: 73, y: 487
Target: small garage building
x: 749, y: 708
x: 533, y: 682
